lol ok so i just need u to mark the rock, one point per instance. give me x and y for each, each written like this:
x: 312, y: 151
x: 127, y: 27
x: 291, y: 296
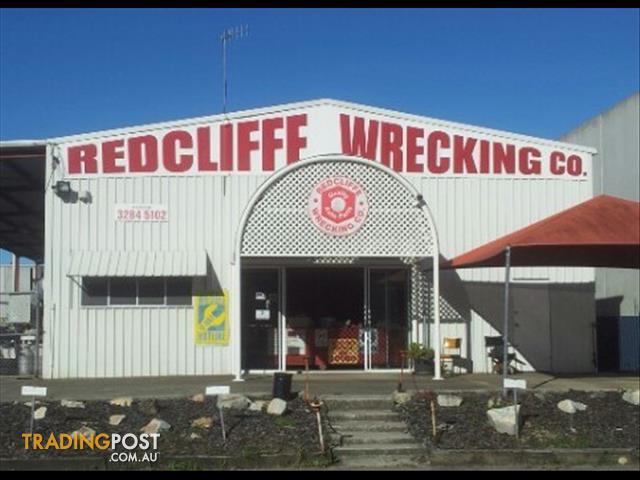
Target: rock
x: 148, y: 407
x: 503, y: 419
x: 85, y: 431
x: 122, y: 401
x: 598, y: 395
x: 632, y: 397
x: 569, y: 406
x: 400, y: 398
x: 71, y: 404
x: 40, y: 413
x: 154, y: 426
x: 198, y: 398
x: 257, y: 406
x: 540, y: 396
x: 233, y: 400
x: 194, y: 436
x: 202, y: 422
x: 445, y: 400
x: 623, y: 460
x: 277, y: 406
x: 28, y: 404
x: 116, y: 419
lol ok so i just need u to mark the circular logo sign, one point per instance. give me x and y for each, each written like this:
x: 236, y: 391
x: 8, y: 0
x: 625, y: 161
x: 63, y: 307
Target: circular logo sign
x: 338, y: 206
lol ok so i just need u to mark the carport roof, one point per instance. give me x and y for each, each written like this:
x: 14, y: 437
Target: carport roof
x: 22, y: 185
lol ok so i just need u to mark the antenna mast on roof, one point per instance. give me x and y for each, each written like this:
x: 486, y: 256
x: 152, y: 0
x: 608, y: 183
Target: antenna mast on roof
x: 225, y: 37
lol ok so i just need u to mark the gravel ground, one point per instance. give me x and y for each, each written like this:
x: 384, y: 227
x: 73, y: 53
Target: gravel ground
x: 248, y: 433
x: 608, y: 422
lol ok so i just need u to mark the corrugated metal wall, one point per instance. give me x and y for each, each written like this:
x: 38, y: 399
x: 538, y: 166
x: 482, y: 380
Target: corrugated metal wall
x: 135, y: 341
x: 629, y: 341
x: 204, y: 212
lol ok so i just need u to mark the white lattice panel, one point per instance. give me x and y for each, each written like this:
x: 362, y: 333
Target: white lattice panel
x: 396, y: 226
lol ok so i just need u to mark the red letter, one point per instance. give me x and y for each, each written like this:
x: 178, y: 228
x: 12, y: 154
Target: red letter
x: 413, y: 149
x: 504, y: 160
x: 529, y: 160
x: 270, y: 143
x: 139, y: 162
x: 484, y: 156
x: 295, y: 142
x: 574, y: 165
x: 169, y: 145
x: 391, y: 145
x: 112, y: 151
x: 245, y: 144
x: 463, y: 155
x: 556, y: 159
x: 226, y: 147
x: 82, y: 156
x: 360, y: 144
x: 436, y: 164
x: 205, y: 162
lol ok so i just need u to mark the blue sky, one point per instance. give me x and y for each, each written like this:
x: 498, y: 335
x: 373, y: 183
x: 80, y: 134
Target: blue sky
x: 538, y: 72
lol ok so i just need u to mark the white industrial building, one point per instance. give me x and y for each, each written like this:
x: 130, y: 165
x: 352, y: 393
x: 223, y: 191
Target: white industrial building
x: 256, y: 240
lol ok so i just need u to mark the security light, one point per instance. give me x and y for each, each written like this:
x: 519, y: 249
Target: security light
x: 62, y: 188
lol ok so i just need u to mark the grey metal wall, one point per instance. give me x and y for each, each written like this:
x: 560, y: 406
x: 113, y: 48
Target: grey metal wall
x: 616, y: 169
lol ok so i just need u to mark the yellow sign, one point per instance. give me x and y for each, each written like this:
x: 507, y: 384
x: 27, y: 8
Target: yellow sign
x: 211, y: 319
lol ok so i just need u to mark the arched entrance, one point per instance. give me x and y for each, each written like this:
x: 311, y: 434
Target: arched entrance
x: 323, y: 220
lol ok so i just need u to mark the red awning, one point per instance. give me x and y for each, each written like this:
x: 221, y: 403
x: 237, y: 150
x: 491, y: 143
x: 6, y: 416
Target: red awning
x: 601, y: 232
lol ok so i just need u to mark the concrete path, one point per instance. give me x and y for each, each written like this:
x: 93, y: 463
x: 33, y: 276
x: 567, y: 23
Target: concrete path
x: 320, y: 383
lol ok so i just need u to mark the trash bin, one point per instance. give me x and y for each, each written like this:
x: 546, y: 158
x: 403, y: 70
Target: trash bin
x: 282, y: 385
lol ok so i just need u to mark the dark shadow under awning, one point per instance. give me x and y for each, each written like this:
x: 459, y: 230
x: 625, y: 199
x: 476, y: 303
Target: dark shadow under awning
x: 22, y: 184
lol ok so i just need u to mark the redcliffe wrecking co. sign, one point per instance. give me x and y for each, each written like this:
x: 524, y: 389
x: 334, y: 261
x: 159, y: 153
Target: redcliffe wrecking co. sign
x: 262, y: 145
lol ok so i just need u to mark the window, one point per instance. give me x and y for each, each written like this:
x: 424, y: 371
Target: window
x: 179, y: 291
x: 122, y: 291
x: 95, y: 291
x: 129, y: 291
x: 151, y: 291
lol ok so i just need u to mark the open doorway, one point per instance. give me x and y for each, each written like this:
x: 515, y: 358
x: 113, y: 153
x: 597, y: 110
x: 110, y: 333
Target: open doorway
x: 329, y: 318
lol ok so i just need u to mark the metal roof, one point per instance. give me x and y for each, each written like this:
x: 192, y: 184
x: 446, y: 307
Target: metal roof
x: 22, y: 186
x: 101, y: 263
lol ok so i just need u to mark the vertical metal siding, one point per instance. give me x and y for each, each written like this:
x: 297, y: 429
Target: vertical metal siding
x: 629, y: 341
x: 203, y: 215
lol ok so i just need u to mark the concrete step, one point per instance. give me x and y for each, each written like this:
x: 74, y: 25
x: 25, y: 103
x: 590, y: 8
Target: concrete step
x: 370, y: 426
x: 370, y: 438
x: 358, y: 402
x: 390, y: 449
x: 362, y: 415
x: 379, y: 462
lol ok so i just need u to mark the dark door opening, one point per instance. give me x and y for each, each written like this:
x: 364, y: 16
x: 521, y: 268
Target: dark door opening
x: 260, y: 312
x: 325, y: 315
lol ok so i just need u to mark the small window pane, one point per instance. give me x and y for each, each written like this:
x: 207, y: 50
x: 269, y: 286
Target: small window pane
x: 94, y: 291
x: 123, y: 291
x: 179, y: 291
x: 151, y: 291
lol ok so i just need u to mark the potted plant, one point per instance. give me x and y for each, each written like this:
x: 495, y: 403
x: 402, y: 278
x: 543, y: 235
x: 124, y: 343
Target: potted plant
x: 421, y: 358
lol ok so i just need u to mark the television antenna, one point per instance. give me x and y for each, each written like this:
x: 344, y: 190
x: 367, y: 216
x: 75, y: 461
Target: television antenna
x: 225, y: 37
